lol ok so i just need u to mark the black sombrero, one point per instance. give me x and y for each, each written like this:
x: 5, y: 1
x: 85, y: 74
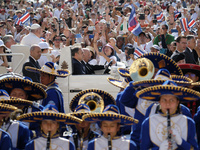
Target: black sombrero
x: 49, y: 68
x: 107, y: 98
x: 117, y: 82
x: 34, y: 91
x: 153, y: 93
x: 50, y: 112
x: 110, y: 113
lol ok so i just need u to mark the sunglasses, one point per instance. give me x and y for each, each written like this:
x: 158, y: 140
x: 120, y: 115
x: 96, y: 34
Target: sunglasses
x: 57, y: 40
x: 190, y: 75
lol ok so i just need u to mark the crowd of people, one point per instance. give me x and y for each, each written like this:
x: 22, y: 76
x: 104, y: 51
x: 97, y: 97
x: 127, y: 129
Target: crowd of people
x: 157, y: 106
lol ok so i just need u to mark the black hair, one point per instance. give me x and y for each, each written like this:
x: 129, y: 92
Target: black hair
x: 179, y: 38
x: 74, y: 51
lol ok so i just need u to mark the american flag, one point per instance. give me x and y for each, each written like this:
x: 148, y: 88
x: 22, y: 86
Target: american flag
x: 133, y: 24
x: 191, y: 23
x: 160, y: 17
x: 138, y: 52
x: 184, y: 24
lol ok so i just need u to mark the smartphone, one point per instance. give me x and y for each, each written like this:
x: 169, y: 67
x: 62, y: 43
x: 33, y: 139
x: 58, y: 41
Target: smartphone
x: 131, y: 51
x: 100, y: 48
x: 142, y: 17
x: 155, y: 21
x: 118, y: 8
x: 90, y: 32
x: 86, y: 22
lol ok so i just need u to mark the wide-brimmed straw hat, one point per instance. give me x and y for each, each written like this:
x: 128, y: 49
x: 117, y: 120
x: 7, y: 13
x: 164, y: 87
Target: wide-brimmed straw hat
x: 153, y: 93
x: 110, y: 113
x: 11, y: 81
x: 6, y: 108
x: 50, y: 112
x: 161, y: 76
x: 107, y: 98
x: 17, y: 102
x: 49, y: 68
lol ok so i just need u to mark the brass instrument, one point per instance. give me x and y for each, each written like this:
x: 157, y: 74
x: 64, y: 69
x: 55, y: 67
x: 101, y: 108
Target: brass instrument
x: 141, y: 69
x: 94, y: 101
x: 169, y: 136
x: 109, y: 142
x: 48, y: 140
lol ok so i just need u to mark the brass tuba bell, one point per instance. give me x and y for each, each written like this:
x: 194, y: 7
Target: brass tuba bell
x: 94, y: 101
x: 141, y: 69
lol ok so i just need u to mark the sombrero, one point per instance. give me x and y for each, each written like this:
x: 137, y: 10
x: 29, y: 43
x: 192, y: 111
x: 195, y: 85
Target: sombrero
x: 81, y: 110
x: 110, y: 113
x: 11, y: 81
x: 161, y: 76
x: 118, y: 83
x: 107, y: 98
x: 6, y: 108
x: 153, y: 93
x: 50, y: 112
x: 17, y: 102
x: 162, y: 61
x: 49, y: 68
x: 190, y: 68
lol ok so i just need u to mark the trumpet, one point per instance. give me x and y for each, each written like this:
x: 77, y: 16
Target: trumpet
x: 141, y: 69
x: 94, y: 101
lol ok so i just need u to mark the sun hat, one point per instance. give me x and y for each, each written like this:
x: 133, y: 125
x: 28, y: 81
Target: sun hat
x: 50, y: 68
x: 110, y: 113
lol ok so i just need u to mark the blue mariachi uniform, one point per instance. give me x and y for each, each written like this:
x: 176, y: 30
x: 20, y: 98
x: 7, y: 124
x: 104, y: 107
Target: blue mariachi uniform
x: 125, y: 130
x: 19, y: 133
x: 54, y: 97
x: 5, y: 141
x: 57, y: 143
x: 152, y: 109
x: 118, y: 143
x: 197, y: 121
x: 129, y: 99
x: 154, y: 132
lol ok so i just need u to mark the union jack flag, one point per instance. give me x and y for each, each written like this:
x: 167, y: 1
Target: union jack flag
x: 25, y: 18
x: 160, y: 17
x: 134, y: 25
x: 176, y: 14
x: 191, y: 23
x: 138, y: 52
x: 184, y: 24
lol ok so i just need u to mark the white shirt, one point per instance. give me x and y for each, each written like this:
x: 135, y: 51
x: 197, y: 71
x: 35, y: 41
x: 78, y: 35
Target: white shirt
x: 122, y: 58
x: 57, y: 13
x: 30, y: 39
x: 43, y: 59
x: 103, y: 61
x: 194, y: 16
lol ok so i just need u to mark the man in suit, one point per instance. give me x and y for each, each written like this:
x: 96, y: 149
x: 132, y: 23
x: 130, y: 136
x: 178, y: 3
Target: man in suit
x: 35, y: 53
x: 86, y: 58
x: 77, y: 56
x: 190, y: 53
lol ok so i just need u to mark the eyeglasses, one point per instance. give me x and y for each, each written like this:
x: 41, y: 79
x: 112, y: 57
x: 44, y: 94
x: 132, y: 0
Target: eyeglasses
x: 64, y: 40
x: 146, y: 10
x: 163, y: 28
x: 57, y: 40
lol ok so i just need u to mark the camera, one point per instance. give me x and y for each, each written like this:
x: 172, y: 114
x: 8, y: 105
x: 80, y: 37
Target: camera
x: 118, y: 8
x: 142, y: 17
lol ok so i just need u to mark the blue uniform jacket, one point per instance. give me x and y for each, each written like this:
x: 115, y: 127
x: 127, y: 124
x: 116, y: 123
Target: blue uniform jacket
x: 5, y: 141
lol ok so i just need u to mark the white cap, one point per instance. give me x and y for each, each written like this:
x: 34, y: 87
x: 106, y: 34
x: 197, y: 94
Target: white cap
x: 35, y: 26
x: 44, y: 45
x: 156, y: 47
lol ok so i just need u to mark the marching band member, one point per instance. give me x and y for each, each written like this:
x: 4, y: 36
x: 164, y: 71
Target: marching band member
x: 19, y: 133
x: 49, y: 120
x: 48, y: 74
x: 110, y: 121
x: 97, y: 100
x: 168, y: 128
x: 128, y: 96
